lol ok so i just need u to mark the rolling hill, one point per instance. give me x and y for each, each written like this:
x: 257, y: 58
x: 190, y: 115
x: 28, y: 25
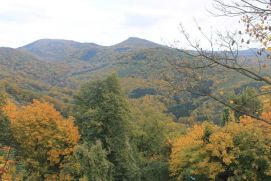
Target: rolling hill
x: 55, y: 69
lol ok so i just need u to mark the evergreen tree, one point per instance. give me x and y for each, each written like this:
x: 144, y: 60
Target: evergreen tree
x: 93, y: 162
x: 102, y: 114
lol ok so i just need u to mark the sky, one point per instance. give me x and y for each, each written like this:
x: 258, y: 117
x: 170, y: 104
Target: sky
x: 105, y: 22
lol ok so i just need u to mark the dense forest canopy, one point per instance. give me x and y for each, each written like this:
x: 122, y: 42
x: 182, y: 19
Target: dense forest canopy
x: 138, y: 110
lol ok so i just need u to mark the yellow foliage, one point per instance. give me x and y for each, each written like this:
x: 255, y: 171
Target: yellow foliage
x: 207, y: 150
x: 181, y: 146
x: 43, y: 134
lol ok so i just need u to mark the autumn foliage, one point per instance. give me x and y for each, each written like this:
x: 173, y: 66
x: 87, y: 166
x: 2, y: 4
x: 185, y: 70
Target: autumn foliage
x: 237, y: 151
x: 43, y: 137
x: 129, y: 140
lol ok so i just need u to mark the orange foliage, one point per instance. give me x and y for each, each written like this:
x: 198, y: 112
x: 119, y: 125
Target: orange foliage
x: 40, y: 130
x: 182, y: 146
x: 248, y: 121
x: 211, y: 151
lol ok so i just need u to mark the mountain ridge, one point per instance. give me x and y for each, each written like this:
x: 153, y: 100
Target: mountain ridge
x: 56, y: 67
x: 69, y: 50
x: 128, y: 41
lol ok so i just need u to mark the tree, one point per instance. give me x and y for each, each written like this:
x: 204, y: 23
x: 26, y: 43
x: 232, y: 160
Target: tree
x: 152, y: 125
x: 40, y: 130
x: 6, y: 164
x: 222, y: 54
x: 238, y: 151
x: 5, y: 132
x: 102, y: 114
x: 94, y: 163
x: 247, y: 101
x: 6, y: 140
x: 255, y: 15
x: 152, y: 132
x: 186, y: 154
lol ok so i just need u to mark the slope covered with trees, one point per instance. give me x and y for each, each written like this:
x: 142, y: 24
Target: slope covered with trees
x: 54, y: 69
x: 109, y: 140
x: 138, y: 110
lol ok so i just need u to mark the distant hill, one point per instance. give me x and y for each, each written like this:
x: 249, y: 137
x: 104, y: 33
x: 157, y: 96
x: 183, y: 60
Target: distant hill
x: 65, y: 62
x: 18, y: 63
x: 134, y: 42
x: 81, y: 61
x: 56, y: 68
x: 53, y: 68
x: 252, y: 52
x: 59, y: 50
x: 67, y: 50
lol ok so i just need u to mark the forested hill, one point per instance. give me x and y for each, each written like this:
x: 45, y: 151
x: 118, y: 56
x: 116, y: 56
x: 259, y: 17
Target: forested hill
x: 91, y: 112
x: 50, y: 59
x: 66, y: 50
x: 62, y: 63
x: 55, y: 69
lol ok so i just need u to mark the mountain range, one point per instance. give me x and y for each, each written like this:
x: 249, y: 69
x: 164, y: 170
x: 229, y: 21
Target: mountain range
x: 67, y: 50
x: 55, y: 68
x: 62, y: 62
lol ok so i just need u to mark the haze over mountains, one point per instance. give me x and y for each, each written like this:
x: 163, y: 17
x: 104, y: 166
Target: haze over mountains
x: 56, y: 68
x: 65, y: 63
x: 61, y: 50
x: 55, y: 61
x: 68, y: 50
x: 61, y: 62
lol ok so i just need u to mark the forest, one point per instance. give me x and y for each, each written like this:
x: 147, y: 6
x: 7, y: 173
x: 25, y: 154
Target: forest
x: 141, y: 111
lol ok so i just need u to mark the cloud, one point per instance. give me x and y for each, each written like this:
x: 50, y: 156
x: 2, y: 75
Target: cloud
x: 14, y: 11
x: 100, y: 21
x: 21, y: 17
x: 142, y: 20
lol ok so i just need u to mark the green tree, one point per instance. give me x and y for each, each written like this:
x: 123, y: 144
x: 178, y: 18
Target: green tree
x: 102, y: 113
x: 247, y: 101
x: 153, y: 129
x: 93, y: 162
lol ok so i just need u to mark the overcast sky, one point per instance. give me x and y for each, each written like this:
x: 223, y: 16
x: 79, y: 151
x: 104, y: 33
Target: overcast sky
x: 104, y: 22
